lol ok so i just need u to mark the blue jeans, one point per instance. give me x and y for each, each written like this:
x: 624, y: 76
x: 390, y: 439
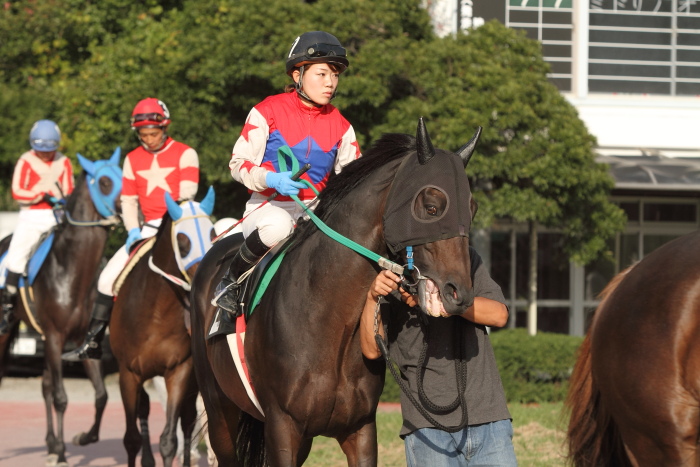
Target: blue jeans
x: 490, y: 444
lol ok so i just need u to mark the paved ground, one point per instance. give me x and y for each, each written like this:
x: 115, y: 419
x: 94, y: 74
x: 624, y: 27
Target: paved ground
x: 23, y: 424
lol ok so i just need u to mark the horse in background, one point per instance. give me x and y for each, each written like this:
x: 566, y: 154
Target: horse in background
x: 634, y: 395
x: 302, y: 345
x: 148, y: 332
x: 64, y: 292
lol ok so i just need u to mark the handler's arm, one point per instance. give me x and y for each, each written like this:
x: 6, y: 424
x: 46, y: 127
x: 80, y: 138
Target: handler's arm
x: 487, y: 312
x: 385, y: 283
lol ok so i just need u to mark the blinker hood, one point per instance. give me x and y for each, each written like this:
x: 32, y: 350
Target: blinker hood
x: 443, y: 171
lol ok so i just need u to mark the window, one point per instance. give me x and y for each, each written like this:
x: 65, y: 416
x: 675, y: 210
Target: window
x: 548, y: 21
x: 644, y: 46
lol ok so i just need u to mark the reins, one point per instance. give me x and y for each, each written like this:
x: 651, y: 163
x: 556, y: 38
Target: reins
x: 185, y: 283
x: 384, y: 263
x: 460, y: 374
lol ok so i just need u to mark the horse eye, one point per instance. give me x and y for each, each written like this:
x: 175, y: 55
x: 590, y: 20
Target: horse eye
x: 105, y: 185
x: 431, y: 210
x: 183, y: 244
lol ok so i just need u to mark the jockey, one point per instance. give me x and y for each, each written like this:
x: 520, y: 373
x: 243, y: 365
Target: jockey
x: 42, y: 178
x: 303, y: 119
x: 159, y: 165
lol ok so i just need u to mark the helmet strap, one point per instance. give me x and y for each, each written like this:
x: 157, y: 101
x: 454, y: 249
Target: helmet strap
x: 300, y: 90
x: 162, y: 142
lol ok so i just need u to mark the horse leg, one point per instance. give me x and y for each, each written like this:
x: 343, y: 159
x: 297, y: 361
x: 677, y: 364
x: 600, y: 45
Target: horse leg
x: 360, y: 447
x: 144, y: 408
x: 50, y: 439
x: 222, y: 423
x: 93, y: 369
x: 283, y: 440
x: 188, y: 422
x: 130, y: 387
x: 54, y: 370
x: 178, y: 382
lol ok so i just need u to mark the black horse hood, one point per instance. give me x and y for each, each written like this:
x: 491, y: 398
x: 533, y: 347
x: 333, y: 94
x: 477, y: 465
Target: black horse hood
x: 443, y: 171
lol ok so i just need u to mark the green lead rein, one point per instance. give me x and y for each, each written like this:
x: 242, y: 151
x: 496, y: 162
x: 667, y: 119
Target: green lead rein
x: 285, y: 152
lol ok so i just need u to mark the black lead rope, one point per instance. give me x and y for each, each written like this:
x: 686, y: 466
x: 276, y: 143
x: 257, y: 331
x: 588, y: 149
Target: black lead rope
x: 460, y: 373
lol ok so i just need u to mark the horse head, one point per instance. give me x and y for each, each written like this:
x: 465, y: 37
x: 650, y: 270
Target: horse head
x: 192, y: 231
x: 428, y: 214
x: 104, y: 179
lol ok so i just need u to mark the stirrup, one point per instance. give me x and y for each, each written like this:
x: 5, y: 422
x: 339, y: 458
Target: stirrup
x: 88, y: 350
x: 226, y: 297
x: 223, y: 324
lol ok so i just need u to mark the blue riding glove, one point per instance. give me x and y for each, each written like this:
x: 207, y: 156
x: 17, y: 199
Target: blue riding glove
x: 283, y: 183
x: 134, y: 235
x: 52, y: 200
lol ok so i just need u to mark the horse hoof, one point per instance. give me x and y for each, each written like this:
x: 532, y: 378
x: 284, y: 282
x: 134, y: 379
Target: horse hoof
x: 83, y: 439
x: 52, y: 460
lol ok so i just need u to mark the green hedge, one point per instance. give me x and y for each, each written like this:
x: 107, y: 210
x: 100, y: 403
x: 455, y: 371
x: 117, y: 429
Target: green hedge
x: 532, y: 368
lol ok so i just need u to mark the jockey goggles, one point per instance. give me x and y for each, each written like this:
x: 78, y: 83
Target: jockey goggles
x: 325, y: 50
x: 45, y: 142
x: 153, y: 117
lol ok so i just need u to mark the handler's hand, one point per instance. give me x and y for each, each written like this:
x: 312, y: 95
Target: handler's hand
x: 385, y: 283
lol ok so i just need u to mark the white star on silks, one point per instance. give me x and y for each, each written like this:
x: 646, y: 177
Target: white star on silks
x: 155, y: 176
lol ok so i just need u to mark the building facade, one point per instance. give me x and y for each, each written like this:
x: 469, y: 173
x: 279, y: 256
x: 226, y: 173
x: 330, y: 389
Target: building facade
x: 632, y: 70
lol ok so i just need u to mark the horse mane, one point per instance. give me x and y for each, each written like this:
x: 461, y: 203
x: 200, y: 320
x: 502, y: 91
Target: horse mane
x: 72, y: 198
x: 388, y: 148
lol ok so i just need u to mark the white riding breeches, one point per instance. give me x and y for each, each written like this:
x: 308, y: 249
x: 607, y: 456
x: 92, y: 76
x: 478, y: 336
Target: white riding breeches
x: 275, y: 220
x: 105, y: 284
x: 31, y: 224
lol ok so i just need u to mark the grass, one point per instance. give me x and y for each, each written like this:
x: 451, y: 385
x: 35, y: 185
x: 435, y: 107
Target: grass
x: 538, y: 439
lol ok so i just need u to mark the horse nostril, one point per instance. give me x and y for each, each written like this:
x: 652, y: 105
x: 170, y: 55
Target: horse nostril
x: 451, y: 293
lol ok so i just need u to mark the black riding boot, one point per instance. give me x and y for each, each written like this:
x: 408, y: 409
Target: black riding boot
x: 92, y: 347
x: 227, y: 295
x: 8, y: 302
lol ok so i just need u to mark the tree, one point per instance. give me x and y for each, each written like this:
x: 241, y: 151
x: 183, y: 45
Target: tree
x: 87, y: 63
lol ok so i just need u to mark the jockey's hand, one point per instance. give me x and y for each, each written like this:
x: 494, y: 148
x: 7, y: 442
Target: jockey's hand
x: 283, y: 183
x: 134, y: 235
x: 52, y: 200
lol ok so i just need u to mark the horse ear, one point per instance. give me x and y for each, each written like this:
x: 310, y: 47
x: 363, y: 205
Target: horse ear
x: 465, y: 153
x: 116, y: 155
x: 174, y: 209
x: 207, y: 203
x: 426, y: 151
x: 87, y: 165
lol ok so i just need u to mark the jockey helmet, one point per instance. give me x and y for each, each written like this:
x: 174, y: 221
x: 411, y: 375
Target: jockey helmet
x: 316, y: 47
x: 150, y: 113
x: 45, y: 136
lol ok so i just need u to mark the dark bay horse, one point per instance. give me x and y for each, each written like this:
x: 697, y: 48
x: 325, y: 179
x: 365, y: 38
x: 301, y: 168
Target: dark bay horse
x: 148, y: 334
x: 64, y: 292
x: 302, y: 343
x: 635, y: 391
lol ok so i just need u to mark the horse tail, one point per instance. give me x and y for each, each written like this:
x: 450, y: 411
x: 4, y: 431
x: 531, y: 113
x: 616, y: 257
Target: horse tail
x: 250, y: 441
x: 593, y: 437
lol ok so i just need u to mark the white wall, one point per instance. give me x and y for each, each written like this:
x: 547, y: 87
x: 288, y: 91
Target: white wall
x: 642, y: 122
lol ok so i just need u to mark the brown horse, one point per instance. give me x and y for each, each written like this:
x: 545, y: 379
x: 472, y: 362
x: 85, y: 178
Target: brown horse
x: 148, y: 333
x: 635, y: 391
x: 302, y: 343
x: 64, y: 292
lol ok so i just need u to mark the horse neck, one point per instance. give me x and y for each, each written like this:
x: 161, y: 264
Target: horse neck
x: 163, y: 253
x: 361, y: 220
x: 74, y: 238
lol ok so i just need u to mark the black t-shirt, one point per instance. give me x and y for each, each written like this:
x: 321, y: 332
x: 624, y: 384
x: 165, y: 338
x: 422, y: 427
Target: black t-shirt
x: 485, y: 397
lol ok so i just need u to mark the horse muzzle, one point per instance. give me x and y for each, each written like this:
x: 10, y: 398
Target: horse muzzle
x: 448, y: 301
